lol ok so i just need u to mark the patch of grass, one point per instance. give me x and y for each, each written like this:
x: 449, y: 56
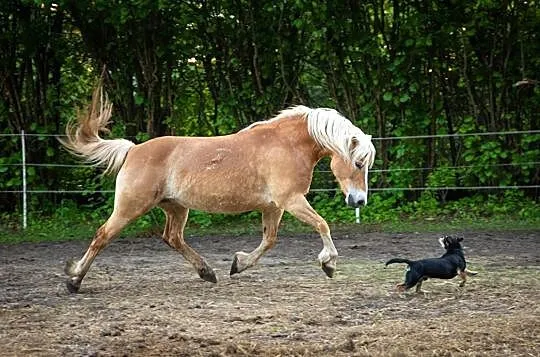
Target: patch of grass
x: 442, y: 224
x: 57, y: 230
x: 471, y: 214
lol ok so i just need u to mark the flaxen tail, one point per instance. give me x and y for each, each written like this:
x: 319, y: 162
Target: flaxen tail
x: 83, y: 136
x: 398, y: 260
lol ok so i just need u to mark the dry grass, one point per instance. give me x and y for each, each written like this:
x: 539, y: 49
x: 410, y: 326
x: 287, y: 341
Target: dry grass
x: 141, y: 299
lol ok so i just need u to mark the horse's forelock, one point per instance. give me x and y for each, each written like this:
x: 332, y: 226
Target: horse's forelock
x: 334, y: 132
x: 364, y: 151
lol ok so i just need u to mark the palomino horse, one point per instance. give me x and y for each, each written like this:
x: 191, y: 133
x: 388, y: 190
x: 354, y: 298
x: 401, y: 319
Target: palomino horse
x: 267, y: 166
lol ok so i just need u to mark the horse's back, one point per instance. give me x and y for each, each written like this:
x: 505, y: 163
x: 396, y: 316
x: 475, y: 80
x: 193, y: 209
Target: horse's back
x: 204, y: 173
x: 234, y: 173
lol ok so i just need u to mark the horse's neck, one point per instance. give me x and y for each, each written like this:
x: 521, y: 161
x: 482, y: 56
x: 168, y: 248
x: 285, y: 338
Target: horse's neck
x: 295, y: 129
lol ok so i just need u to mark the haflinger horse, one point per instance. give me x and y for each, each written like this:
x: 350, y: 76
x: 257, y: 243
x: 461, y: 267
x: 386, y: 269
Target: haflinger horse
x: 267, y: 166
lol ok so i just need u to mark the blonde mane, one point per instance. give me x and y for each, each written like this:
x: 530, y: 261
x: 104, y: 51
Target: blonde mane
x: 288, y: 113
x: 332, y: 131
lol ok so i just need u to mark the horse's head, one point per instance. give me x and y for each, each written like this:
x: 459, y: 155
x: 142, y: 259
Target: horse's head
x: 353, y: 176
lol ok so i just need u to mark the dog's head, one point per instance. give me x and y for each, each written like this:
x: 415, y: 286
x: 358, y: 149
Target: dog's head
x: 450, y: 243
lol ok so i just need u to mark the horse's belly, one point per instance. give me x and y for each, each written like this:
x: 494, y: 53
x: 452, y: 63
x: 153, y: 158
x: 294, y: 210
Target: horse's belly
x: 222, y: 203
x: 218, y: 190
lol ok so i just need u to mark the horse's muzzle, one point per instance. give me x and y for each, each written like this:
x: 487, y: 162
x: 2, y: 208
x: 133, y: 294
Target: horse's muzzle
x: 356, y: 199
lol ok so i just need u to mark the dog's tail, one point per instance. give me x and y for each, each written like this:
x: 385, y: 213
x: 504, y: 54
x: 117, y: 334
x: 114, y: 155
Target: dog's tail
x: 398, y: 260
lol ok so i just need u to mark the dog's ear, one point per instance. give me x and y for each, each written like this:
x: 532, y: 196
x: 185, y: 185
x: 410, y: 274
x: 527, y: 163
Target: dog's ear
x: 442, y: 242
x: 460, y: 239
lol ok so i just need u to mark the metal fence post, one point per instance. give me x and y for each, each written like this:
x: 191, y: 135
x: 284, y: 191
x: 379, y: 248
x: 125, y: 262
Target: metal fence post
x: 24, y: 179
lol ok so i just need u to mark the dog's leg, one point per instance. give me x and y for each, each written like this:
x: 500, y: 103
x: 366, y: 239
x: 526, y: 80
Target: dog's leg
x: 419, y: 287
x: 463, y: 275
x: 401, y: 287
x: 412, y: 278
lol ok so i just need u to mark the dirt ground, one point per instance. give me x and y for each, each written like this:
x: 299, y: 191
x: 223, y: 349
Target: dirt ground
x: 141, y: 298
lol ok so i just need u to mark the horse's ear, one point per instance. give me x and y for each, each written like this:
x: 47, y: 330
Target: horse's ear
x: 353, y: 144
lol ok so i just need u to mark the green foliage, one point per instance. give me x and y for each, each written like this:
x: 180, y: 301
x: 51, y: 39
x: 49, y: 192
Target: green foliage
x: 332, y: 208
x: 210, y: 68
x: 392, y: 208
x: 513, y: 205
x: 442, y: 177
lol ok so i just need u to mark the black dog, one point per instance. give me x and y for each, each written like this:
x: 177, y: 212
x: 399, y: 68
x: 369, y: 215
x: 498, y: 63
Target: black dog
x: 452, y: 263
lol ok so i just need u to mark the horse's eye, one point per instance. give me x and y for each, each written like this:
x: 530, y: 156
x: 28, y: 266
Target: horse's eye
x: 359, y: 165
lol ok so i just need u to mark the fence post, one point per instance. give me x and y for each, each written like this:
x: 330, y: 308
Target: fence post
x: 24, y: 178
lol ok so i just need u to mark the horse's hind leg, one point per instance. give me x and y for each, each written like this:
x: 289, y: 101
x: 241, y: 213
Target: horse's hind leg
x: 270, y: 219
x: 299, y: 207
x: 77, y: 269
x: 126, y: 210
x: 173, y: 235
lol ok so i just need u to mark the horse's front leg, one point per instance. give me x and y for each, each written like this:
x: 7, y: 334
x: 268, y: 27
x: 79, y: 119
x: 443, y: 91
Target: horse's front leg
x: 301, y: 209
x: 270, y: 219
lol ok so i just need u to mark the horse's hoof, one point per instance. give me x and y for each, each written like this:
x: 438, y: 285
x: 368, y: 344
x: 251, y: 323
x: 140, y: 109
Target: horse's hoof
x: 207, y: 274
x: 329, y: 270
x: 73, y: 287
x: 234, y: 266
x: 239, y: 263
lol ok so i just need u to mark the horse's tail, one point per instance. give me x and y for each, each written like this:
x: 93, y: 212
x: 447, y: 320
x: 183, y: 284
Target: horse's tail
x: 82, y: 137
x: 398, y: 260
